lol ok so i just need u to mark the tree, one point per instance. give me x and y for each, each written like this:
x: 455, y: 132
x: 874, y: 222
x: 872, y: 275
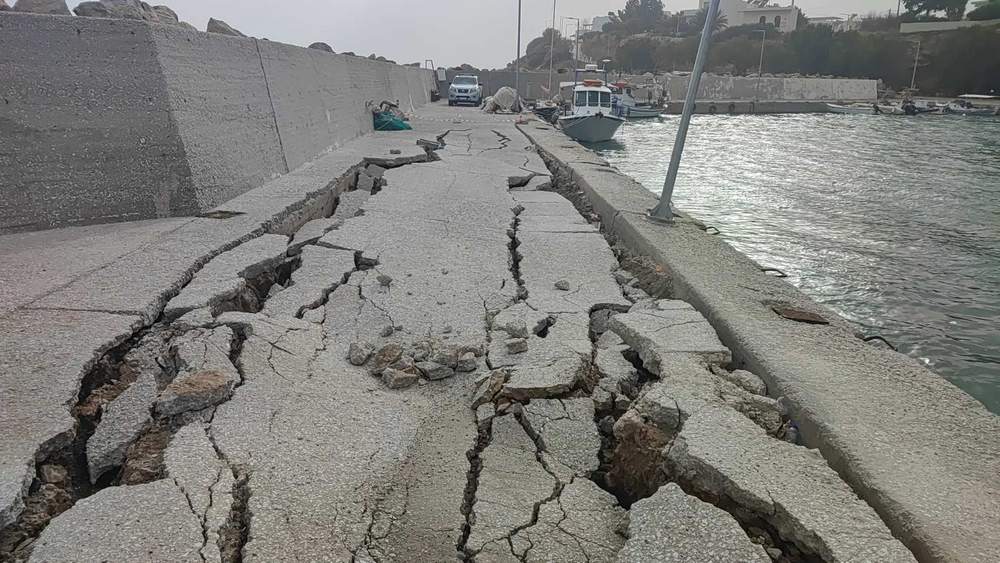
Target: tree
x: 988, y: 11
x: 536, y: 55
x: 720, y: 23
x: 639, y: 16
x: 954, y: 9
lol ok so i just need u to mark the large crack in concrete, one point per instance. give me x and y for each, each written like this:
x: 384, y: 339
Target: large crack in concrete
x: 63, y: 477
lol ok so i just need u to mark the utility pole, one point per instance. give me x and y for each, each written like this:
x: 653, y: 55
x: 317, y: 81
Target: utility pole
x: 552, y: 45
x: 760, y: 67
x: 662, y: 211
x: 517, y: 61
x: 576, y: 42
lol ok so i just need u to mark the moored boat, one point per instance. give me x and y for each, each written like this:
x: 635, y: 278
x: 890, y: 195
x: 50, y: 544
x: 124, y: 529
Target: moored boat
x: 624, y: 103
x: 965, y: 108
x: 592, y: 119
x: 865, y: 109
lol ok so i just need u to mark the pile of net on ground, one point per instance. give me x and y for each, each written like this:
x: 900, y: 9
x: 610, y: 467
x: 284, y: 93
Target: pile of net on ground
x: 505, y: 100
x: 388, y: 117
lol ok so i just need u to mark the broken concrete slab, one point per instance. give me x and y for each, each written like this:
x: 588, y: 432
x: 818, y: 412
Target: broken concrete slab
x: 565, y: 429
x: 39, y: 389
x: 207, y: 482
x: 762, y: 410
x: 617, y: 375
x: 205, y: 374
x: 673, y: 527
x: 122, y: 421
x: 150, y: 522
x: 321, y: 271
x: 582, y: 524
x: 745, y: 379
x: 720, y: 452
x: 520, y: 320
x: 224, y: 279
x: 512, y: 483
x: 673, y: 328
x: 553, y: 365
x: 584, y: 260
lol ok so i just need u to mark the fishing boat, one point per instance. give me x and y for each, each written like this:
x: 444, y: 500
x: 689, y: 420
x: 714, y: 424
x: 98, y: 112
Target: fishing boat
x: 591, y: 119
x: 865, y: 109
x: 965, y: 108
x: 624, y: 103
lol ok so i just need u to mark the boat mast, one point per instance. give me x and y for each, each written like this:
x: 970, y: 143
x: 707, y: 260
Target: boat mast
x: 916, y: 60
x: 552, y: 45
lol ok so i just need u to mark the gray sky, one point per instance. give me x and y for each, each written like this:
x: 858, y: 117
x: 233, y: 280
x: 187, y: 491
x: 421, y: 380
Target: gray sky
x: 451, y: 32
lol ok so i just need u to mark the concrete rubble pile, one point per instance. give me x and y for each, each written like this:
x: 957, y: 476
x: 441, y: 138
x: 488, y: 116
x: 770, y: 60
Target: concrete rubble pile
x: 448, y: 362
x: 130, y: 9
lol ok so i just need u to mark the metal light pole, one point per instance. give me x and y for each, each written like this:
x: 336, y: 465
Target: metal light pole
x: 760, y: 67
x: 662, y: 211
x: 517, y: 61
x: 576, y: 42
x: 552, y: 45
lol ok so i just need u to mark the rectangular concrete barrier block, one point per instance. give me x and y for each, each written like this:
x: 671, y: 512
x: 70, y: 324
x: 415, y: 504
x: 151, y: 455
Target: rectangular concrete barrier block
x: 85, y: 125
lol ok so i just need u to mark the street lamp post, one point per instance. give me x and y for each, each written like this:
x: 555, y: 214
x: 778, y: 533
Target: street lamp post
x: 760, y: 66
x: 552, y: 45
x: 662, y: 211
x: 517, y: 61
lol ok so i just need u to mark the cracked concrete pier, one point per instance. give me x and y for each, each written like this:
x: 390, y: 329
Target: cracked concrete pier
x: 412, y: 348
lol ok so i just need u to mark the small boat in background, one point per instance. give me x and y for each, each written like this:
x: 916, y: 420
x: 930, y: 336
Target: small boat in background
x: 624, y: 103
x: 865, y: 109
x: 965, y: 108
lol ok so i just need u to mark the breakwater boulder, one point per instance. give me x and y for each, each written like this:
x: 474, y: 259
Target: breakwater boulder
x: 131, y: 10
x: 223, y: 28
x: 319, y: 45
x: 54, y: 7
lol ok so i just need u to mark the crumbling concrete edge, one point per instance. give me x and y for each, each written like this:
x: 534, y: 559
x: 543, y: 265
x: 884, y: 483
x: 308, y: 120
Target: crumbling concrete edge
x: 287, y: 219
x: 623, y: 204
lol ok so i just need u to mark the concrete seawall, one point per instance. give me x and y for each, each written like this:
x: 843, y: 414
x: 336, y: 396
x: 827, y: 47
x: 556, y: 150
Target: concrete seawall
x: 114, y: 120
x: 921, y: 452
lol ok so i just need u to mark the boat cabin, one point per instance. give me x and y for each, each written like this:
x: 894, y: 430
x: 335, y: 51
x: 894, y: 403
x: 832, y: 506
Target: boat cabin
x: 591, y: 97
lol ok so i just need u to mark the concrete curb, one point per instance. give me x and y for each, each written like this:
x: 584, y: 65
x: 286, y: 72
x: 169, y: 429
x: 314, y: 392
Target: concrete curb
x: 921, y: 452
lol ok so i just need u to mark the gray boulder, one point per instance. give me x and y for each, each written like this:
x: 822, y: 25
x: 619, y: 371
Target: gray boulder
x: 93, y: 10
x: 3, y: 6
x: 222, y: 28
x: 122, y: 9
x: 320, y: 46
x: 166, y: 15
x: 54, y: 7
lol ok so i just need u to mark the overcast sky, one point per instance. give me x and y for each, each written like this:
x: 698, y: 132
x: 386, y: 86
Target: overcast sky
x: 450, y: 32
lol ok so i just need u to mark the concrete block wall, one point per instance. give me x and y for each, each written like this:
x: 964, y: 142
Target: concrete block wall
x: 714, y: 87
x: 113, y: 120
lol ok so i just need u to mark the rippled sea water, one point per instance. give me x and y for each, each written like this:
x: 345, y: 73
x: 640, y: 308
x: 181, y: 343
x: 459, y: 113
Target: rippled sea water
x: 893, y: 222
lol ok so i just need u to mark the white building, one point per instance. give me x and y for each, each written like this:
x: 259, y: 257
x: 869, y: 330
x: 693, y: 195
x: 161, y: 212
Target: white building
x: 837, y: 23
x: 597, y: 24
x: 738, y: 12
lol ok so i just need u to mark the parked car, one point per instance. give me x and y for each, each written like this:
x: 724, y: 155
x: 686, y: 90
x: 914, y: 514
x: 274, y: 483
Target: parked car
x: 465, y: 89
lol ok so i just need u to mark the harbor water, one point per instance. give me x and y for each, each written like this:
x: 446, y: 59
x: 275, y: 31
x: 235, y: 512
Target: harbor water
x: 893, y: 222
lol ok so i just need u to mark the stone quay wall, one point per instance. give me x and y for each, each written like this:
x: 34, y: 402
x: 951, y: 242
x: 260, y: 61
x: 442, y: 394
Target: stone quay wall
x: 714, y: 87
x: 105, y: 120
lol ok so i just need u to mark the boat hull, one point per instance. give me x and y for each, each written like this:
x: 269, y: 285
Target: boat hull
x: 591, y: 128
x: 865, y: 109
x: 638, y: 112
